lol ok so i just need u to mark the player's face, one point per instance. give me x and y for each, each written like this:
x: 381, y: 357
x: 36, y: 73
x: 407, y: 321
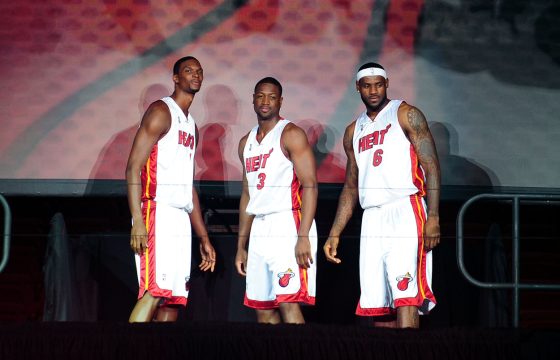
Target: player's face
x: 373, y: 90
x: 190, y: 75
x: 267, y: 101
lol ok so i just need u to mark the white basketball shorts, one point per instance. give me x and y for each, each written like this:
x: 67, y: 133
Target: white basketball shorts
x: 165, y: 267
x: 395, y: 270
x: 273, y: 275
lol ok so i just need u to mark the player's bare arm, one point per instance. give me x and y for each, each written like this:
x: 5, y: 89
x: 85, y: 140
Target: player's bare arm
x: 245, y: 220
x: 347, y: 200
x: 207, y: 252
x: 155, y: 124
x: 416, y: 128
x: 299, y: 152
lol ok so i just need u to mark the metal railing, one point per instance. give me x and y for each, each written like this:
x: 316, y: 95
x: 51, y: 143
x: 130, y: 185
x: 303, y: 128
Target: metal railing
x: 515, y: 284
x: 7, y: 230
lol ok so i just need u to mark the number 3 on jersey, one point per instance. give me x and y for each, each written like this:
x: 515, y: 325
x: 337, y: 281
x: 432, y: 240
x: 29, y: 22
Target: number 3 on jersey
x: 262, y: 178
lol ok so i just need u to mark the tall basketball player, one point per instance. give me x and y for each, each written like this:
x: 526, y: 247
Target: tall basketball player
x: 163, y: 202
x: 392, y: 165
x: 276, y: 212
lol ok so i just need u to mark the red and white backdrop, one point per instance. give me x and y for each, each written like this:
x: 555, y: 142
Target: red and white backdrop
x: 76, y: 76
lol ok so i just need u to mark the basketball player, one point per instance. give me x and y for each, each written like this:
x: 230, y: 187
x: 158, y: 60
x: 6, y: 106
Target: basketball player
x: 276, y: 211
x: 392, y: 164
x: 163, y: 202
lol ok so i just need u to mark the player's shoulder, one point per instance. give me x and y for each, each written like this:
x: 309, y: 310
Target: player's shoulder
x: 349, y: 131
x: 405, y: 108
x: 157, y: 117
x: 158, y: 109
x: 292, y: 131
x: 292, y: 128
x: 243, y: 139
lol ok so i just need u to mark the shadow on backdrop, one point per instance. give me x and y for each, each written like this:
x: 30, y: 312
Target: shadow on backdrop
x: 111, y: 161
x: 486, y: 261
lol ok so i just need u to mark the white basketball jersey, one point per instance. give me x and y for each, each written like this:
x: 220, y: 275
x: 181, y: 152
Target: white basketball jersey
x: 388, y: 168
x: 273, y: 185
x: 167, y: 176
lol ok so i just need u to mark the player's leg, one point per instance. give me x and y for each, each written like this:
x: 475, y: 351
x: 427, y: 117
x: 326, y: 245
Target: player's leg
x: 144, y: 309
x: 293, y: 285
x: 167, y: 313
x: 258, y: 288
x: 407, y: 317
x: 387, y: 321
x: 268, y: 316
x: 402, y: 261
x: 375, y: 300
x: 291, y: 313
x: 173, y: 261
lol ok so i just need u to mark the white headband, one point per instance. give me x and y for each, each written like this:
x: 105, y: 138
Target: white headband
x: 371, y: 72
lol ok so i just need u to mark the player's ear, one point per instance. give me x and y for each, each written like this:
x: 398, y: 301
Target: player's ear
x: 387, y: 83
x: 357, y: 86
x: 176, y: 78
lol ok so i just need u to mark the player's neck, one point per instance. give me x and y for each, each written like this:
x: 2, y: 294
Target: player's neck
x: 183, y: 99
x: 372, y: 112
x: 265, y: 125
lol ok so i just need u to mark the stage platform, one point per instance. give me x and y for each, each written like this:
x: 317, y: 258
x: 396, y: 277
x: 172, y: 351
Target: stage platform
x: 110, y: 340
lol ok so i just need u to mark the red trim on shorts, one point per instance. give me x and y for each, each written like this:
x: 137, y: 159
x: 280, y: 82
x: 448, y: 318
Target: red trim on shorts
x: 148, y: 258
x: 260, y: 305
x: 174, y: 300
x: 411, y: 301
x: 424, y: 291
x: 301, y: 297
x: 148, y: 176
x: 360, y: 311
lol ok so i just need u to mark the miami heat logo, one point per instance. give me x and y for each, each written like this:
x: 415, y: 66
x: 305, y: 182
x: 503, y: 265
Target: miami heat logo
x: 402, y: 281
x: 284, y: 277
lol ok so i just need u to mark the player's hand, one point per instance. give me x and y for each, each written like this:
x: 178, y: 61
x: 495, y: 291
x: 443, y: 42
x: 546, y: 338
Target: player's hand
x: 330, y: 249
x: 208, y: 255
x: 138, y: 238
x: 304, y: 257
x: 241, y: 262
x: 431, y: 233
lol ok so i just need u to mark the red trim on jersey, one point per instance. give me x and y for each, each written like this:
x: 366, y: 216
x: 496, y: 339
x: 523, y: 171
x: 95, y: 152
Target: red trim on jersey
x: 424, y: 291
x: 148, y: 176
x: 360, y: 311
x: 260, y: 305
x: 148, y: 258
x: 417, y: 173
x: 296, y: 195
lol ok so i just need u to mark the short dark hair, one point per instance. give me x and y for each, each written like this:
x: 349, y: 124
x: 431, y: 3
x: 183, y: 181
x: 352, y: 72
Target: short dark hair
x: 269, y: 80
x: 180, y: 61
x: 371, y: 65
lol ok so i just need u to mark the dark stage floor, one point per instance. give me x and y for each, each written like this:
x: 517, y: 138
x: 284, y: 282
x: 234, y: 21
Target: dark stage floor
x: 104, y: 340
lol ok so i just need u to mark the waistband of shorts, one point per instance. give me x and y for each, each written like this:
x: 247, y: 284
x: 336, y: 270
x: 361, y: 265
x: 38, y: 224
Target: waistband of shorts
x: 395, y: 203
x: 160, y: 204
x: 283, y: 212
